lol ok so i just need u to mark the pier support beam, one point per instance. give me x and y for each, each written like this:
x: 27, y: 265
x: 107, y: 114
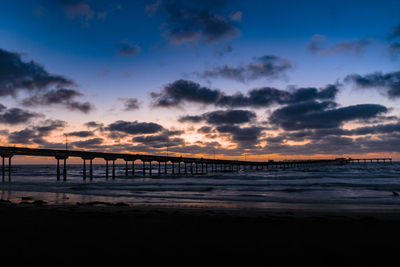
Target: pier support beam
x: 106, y: 168
x: 58, y: 169
x: 126, y: 168
x: 3, y: 169
x: 144, y: 168
x: 64, y: 158
x: 133, y: 168
x: 9, y: 168
x: 165, y: 167
x: 84, y: 169
x: 159, y: 168
x: 91, y: 169
x: 65, y: 170
x: 113, y: 169
x: 150, y: 168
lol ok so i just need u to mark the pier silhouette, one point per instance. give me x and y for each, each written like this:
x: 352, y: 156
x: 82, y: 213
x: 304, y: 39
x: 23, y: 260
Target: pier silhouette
x: 179, y: 165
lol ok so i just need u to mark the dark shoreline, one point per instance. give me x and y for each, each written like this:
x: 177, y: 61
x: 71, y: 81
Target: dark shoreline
x: 282, y: 236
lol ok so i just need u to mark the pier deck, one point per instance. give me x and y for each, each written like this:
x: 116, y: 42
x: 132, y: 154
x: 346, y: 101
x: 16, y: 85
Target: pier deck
x: 204, y: 164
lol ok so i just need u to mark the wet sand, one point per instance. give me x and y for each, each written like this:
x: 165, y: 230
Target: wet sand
x: 100, y: 231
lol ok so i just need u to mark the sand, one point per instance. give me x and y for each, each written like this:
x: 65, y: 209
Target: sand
x: 33, y: 230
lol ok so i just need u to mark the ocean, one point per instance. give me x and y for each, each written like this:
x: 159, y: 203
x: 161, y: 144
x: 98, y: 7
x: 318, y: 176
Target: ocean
x: 351, y: 186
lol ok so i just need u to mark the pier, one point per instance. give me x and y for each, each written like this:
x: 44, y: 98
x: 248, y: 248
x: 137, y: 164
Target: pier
x: 179, y: 165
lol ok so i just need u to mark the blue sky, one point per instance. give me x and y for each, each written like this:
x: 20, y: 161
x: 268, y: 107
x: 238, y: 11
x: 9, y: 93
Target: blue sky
x: 309, y: 45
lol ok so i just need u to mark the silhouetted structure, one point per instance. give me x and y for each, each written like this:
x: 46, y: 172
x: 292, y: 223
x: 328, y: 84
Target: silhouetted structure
x: 205, y: 165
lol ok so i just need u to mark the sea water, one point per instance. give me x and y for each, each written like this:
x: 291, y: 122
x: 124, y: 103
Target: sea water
x: 354, y: 186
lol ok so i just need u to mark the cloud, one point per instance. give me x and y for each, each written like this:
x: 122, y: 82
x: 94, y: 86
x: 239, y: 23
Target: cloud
x: 245, y: 137
x: 180, y: 91
x: 126, y: 48
x: 314, y: 115
x: 94, y: 124
x: 90, y: 143
x: 389, y: 82
x: 81, y: 134
x: 193, y: 21
x: 60, y: 96
x: 267, y: 67
x: 14, y: 116
x: 268, y: 96
x: 35, y: 134
x: 354, y: 46
x: 205, y: 129
x: 174, y: 94
x: 135, y: 127
x: 159, y: 141
x: 220, y: 117
x: 130, y: 103
x: 17, y: 75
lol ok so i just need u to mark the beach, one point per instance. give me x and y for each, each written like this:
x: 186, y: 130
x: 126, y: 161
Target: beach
x: 35, y: 230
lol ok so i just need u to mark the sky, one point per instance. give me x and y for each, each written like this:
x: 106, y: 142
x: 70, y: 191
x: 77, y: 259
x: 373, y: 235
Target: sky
x: 236, y: 79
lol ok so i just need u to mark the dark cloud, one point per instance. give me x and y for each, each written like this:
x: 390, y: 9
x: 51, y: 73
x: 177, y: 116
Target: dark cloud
x: 126, y: 48
x: 191, y: 118
x: 260, y: 97
x: 61, y: 96
x: 180, y: 91
x: 35, y: 134
x: 205, y: 129
x: 389, y: 82
x: 220, y: 117
x: 14, y: 116
x: 376, y: 129
x: 90, y: 143
x: 313, y: 115
x: 84, y: 107
x: 316, y: 46
x: 130, y: 103
x: 159, y: 141
x: 135, y: 127
x: 17, y: 75
x: 245, y: 137
x: 267, y: 96
x: 268, y: 67
x: 94, y: 124
x: 192, y: 21
x: 81, y: 134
